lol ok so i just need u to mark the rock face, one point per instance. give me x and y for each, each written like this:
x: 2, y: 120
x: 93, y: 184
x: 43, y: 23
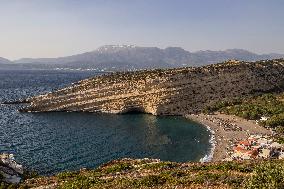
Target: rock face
x: 165, y: 92
x: 10, y: 171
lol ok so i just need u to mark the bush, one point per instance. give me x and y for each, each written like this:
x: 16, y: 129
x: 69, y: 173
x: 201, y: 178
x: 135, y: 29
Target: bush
x: 118, y: 168
x: 254, y: 108
x: 160, y: 165
x: 268, y: 175
x: 82, y: 182
x: 276, y: 120
x: 152, y: 180
x: 67, y: 174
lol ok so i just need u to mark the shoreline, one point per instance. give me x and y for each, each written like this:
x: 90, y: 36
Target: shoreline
x: 226, y: 130
x: 208, y: 157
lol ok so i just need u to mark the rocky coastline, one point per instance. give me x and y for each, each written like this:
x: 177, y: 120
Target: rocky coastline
x: 10, y: 171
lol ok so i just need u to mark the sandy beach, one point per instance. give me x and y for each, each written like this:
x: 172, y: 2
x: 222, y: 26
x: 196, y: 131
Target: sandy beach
x: 228, y: 129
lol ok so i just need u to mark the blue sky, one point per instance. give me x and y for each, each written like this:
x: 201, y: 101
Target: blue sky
x: 52, y: 28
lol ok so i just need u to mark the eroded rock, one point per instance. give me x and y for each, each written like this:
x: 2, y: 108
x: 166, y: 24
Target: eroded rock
x: 10, y: 171
x: 165, y: 92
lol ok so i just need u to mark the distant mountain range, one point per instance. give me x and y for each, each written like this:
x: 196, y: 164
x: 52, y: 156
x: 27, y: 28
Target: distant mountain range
x: 4, y: 61
x: 129, y: 57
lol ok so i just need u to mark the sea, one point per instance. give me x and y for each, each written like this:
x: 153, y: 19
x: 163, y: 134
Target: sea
x: 49, y: 143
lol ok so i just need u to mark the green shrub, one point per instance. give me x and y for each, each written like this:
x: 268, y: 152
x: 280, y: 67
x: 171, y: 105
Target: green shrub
x: 81, y: 182
x: 225, y: 166
x: 67, y: 175
x: 254, y: 108
x: 268, y: 175
x: 151, y: 181
x: 276, y: 120
x: 207, y: 177
x: 118, y: 168
x: 160, y: 165
x: 235, y: 182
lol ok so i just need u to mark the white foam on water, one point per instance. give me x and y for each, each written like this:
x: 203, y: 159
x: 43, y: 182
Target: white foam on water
x: 208, y: 157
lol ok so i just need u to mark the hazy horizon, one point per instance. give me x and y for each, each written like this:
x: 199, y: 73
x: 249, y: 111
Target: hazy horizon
x: 43, y: 29
x: 142, y: 47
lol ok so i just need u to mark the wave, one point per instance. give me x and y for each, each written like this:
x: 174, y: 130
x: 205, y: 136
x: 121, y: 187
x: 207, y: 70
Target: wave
x: 208, y: 157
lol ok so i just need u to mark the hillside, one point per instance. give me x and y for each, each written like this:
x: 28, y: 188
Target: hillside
x: 165, y: 92
x: 146, y: 173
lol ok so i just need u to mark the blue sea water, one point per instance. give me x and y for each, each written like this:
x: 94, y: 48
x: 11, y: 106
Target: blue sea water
x: 53, y: 142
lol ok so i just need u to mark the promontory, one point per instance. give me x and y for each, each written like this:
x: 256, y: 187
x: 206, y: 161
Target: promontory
x: 176, y: 91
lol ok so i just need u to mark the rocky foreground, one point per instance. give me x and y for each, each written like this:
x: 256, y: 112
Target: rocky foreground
x: 10, y: 171
x: 165, y: 92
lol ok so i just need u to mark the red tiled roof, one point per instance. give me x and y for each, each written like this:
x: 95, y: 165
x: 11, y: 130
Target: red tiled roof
x: 239, y: 149
x: 245, y: 142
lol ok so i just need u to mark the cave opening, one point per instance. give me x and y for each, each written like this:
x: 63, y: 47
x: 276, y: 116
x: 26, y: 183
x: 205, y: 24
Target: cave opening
x: 134, y: 110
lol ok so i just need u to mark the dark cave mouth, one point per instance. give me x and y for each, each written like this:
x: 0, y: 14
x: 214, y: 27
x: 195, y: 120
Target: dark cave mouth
x: 134, y: 110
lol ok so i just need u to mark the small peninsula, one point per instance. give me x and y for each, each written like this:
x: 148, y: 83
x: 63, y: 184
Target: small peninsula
x: 177, y: 91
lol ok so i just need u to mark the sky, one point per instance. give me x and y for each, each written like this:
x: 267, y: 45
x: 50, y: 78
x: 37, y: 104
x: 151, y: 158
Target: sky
x: 54, y: 28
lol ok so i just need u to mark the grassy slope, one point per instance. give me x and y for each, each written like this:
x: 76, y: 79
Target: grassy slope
x: 129, y: 173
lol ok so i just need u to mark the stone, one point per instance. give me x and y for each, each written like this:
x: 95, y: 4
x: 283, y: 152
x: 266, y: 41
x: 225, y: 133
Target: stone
x: 10, y: 170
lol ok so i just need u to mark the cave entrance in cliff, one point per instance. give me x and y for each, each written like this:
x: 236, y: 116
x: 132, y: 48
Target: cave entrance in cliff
x: 134, y: 110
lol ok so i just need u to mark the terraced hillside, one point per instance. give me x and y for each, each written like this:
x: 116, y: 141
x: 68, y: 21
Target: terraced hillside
x: 165, y: 92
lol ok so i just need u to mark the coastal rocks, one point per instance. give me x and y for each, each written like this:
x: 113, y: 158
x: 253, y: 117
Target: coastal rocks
x: 10, y: 171
x: 20, y: 101
x: 177, y: 91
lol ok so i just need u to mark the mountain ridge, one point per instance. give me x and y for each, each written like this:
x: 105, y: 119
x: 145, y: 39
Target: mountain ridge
x: 4, y: 61
x: 131, y: 57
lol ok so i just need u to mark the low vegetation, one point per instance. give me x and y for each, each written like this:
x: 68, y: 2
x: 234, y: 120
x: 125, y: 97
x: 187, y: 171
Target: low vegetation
x: 128, y: 173
x: 268, y: 175
x: 268, y: 106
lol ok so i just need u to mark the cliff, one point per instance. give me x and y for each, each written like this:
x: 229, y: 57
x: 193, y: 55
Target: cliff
x: 165, y: 92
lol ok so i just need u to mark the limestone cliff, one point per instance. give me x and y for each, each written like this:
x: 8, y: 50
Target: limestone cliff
x: 165, y: 92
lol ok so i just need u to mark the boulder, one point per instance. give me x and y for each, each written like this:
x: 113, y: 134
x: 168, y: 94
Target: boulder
x: 10, y: 171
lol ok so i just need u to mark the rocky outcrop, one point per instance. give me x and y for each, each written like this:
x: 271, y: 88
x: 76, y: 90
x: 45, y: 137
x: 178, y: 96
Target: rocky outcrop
x: 165, y: 92
x: 10, y: 171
